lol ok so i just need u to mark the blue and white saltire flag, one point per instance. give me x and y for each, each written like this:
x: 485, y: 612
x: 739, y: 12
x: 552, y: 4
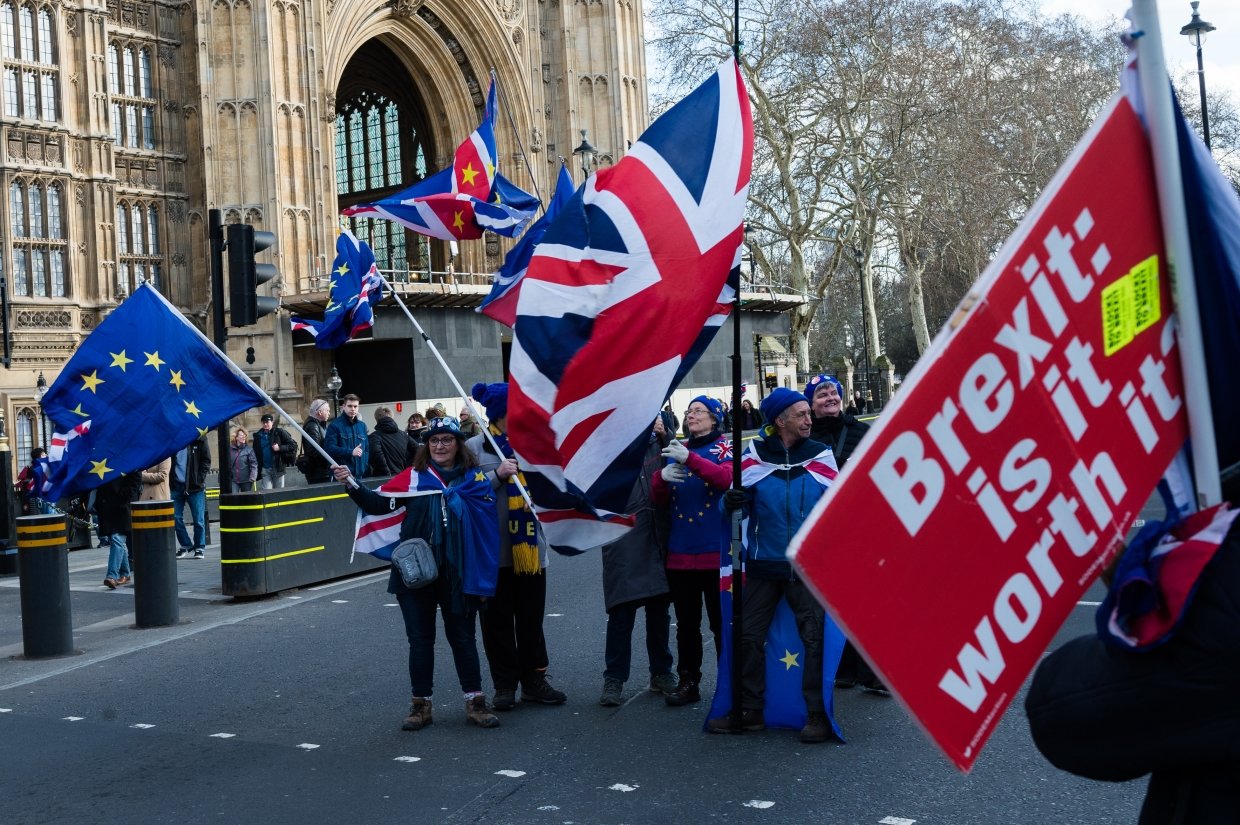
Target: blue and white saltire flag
x: 501, y: 303
x: 626, y: 289
x: 784, y: 701
x: 355, y: 286
x: 143, y: 385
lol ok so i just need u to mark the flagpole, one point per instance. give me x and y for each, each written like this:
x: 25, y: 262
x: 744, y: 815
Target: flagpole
x: 469, y: 402
x: 1160, y: 120
x: 738, y: 546
x: 503, y: 99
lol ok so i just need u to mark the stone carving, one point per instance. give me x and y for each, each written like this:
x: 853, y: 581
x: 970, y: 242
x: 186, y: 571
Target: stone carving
x: 536, y: 140
x: 43, y: 319
x: 518, y: 37
x: 510, y: 10
x: 82, y: 247
x: 78, y: 163
x: 71, y: 23
x: 152, y: 175
x: 79, y: 193
x: 53, y: 152
x: 405, y: 8
x: 171, y: 106
x: 17, y: 148
x: 178, y: 258
x: 176, y: 211
x: 167, y: 55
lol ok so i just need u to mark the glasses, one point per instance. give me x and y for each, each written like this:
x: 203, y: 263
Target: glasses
x: 442, y: 441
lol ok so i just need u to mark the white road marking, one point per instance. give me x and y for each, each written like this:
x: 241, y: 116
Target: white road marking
x: 622, y: 788
x: 307, y: 746
x: 74, y: 718
x: 510, y: 774
x: 760, y: 804
x: 6, y: 710
x: 340, y: 601
x: 223, y: 735
x: 294, y: 597
x: 407, y: 759
x: 391, y: 605
x: 895, y: 820
x: 141, y: 726
x: 549, y: 808
x: 554, y: 615
x: 1088, y: 604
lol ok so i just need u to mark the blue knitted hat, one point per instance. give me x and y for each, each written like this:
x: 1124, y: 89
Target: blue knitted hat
x: 780, y: 399
x: 816, y: 382
x: 494, y: 397
x: 713, y: 407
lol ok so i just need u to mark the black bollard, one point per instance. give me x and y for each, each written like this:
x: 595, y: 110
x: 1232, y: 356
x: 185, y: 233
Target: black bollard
x: 155, y: 565
x: 43, y: 558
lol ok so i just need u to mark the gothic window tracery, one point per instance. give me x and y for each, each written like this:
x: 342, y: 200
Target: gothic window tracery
x: 31, y: 73
x: 132, y: 90
x: 37, y: 233
x: 139, y: 256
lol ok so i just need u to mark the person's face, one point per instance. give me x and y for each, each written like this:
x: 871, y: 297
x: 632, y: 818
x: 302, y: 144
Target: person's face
x: 350, y: 408
x: 827, y: 401
x: 240, y: 437
x: 267, y: 425
x: 658, y: 426
x: 443, y: 449
x: 698, y: 420
x: 795, y: 420
x: 323, y: 413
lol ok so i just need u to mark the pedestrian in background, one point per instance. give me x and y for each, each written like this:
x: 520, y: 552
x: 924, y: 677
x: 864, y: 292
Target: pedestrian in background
x: 416, y: 429
x: 346, y: 440
x: 275, y: 450
x: 112, y: 502
x: 311, y: 462
x: 633, y: 579
x: 188, y: 485
x: 469, y: 426
x: 242, y: 463
x: 155, y: 482
x: 390, y: 449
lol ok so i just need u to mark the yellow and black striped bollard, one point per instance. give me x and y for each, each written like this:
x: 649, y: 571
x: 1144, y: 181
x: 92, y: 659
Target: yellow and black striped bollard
x: 43, y: 559
x: 154, y: 564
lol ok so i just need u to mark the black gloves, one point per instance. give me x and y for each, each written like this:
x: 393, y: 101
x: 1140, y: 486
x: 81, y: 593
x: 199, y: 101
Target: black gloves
x: 735, y: 499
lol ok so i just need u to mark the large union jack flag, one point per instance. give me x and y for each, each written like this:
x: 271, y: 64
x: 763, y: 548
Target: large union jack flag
x: 629, y: 285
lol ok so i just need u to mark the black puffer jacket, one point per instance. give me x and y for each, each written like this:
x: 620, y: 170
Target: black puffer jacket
x: 391, y: 449
x: 842, y: 433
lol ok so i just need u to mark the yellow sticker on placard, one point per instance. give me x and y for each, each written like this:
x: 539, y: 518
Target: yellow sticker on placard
x: 1130, y: 305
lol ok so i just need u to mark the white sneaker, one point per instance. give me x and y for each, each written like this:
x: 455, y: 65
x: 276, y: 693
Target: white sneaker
x: 198, y: 554
x: 183, y: 553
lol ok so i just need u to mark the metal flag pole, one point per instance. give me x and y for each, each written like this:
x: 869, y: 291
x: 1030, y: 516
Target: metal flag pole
x: 503, y: 99
x: 738, y: 547
x: 1160, y: 120
x: 469, y: 402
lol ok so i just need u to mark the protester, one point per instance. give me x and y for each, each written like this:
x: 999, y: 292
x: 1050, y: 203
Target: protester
x: 776, y: 505
x: 670, y: 421
x: 842, y: 433
x: 275, y: 450
x: 689, y: 489
x: 311, y: 462
x: 188, y: 485
x: 390, y: 449
x: 751, y: 419
x: 634, y: 578
x: 30, y: 482
x: 416, y: 429
x: 346, y: 440
x: 155, y: 482
x: 469, y: 426
x: 112, y: 502
x: 242, y: 463
x: 446, y: 522
x: 512, y: 621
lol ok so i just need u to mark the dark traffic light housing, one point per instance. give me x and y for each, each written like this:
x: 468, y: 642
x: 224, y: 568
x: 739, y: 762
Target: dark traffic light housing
x: 244, y: 275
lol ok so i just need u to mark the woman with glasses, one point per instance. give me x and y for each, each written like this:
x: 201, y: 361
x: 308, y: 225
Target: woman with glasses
x: 447, y: 502
x: 242, y: 462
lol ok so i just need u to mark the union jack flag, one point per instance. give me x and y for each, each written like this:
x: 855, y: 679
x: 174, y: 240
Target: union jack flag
x: 722, y: 450
x: 355, y: 283
x: 629, y: 285
x: 467, y: 198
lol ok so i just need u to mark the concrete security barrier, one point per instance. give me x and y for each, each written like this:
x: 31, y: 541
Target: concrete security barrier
x: 273, y: 540
x: 154, y: 564
x: 43, y: 556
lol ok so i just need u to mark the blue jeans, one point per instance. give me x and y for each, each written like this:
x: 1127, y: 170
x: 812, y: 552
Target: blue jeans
x: 418, y: 609
x: 197, y: 511
x: 118, y: 556
x: 620, y: 620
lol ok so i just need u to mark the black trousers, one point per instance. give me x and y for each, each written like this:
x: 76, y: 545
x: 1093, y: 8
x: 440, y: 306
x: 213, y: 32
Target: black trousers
x: 512, y: 628
x: 760, y: 598
x: 690, y: 589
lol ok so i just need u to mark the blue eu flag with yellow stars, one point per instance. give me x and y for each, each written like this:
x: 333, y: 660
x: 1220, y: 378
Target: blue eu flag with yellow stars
x: 143, y: 385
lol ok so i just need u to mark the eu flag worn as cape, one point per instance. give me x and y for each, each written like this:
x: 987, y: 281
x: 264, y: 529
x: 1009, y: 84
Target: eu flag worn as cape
x: 355, y: 284
x: 143, y: 385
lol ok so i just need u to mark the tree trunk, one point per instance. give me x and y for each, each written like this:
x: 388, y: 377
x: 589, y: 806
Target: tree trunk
x: 917, y: 308
x: 802, y: 319
x: 871, y: 317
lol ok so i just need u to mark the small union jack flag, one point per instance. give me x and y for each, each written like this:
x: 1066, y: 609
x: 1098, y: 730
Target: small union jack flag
x: 722, y: 450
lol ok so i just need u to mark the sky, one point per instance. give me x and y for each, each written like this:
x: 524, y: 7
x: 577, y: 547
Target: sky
x: 1220, y: 50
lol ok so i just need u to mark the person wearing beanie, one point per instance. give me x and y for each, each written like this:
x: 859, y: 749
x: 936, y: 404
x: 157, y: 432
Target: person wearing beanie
x: 842, y: 433
x: 786, y: 475
x: 689, y: 488
x: 512, y: 620
x: 275, y: 450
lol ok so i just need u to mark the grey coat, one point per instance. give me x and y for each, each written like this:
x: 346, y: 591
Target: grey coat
x: 488, y: 462
x: 633, y: 567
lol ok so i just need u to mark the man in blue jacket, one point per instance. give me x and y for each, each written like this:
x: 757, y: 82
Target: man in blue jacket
x: 788, y: 475
x: 346, y: 440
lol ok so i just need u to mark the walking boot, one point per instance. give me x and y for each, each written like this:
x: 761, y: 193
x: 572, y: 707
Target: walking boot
x: 750, y: 720
x: 686, y: 693
x: 419, y: 714
x: 537, y: 689
x: 476, y: 711
x: 504, y: 700
x: 816, y: 728
x: 613, y: 692
x: 664, y: 683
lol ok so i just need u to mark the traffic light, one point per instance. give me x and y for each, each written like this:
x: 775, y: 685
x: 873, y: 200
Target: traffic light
x: 244, y: 275
x: 772, y: 381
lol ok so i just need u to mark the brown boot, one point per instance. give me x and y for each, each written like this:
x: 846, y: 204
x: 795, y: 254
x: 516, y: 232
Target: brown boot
x: 476, y: 711
x: 686, y: 693
x: 419, y: 714
x: 816, y: 728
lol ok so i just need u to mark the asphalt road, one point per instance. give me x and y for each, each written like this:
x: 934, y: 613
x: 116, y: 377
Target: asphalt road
x: 287, y: 710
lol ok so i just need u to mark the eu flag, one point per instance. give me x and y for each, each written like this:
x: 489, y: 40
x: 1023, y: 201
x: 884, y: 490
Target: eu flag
x: 143, y: 385
x: 355, y: 283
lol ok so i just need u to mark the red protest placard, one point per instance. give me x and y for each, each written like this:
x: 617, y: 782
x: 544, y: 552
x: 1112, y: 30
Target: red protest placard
x: 1016, y: 455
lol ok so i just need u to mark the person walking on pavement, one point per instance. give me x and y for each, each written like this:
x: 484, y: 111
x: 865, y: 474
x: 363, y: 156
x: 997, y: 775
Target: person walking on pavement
x: 188, y: 485
x: 440, y: 520
x: 633, y: 578
x: 391, y: 450
x: 275, y: 449
x: 777, y: 503
x: 842, y: 432
x: 311, y: 462
x: 242, y: 463
x: 155, y: 482
x: 112, y: 503
x: 512, y: 621
x: 346, y: 440
x: 30, y: 483
x: 689, y: 488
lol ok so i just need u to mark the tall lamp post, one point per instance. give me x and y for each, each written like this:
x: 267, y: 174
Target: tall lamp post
x: 587, y: 154
x: 40, y: 390
x: 859, y: 257
x: 1196, y: 30
x: 333, y: 386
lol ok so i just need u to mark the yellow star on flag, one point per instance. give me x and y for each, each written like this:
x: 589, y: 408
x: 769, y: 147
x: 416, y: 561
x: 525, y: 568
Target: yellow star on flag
x: 78, y: 410
x: 153, y: 360
x: 176, y: 380
x: 458, y: 222
x: 100, y: 468
x: 790, y: 660
x: 490, y: 170
x: 343, y: 269
x: 191, y: 408
x: 330, y: 305
x: 202, y: 431
x: 119, y: 360
x: 468, y: 174
x: 89, y: 382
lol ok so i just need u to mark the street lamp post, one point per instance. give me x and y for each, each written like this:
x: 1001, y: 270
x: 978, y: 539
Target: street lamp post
x: 1196, y: 30
x: 40, y: 390
x: 587, y: 153
x: 333, y: 386
x: 859, y: 257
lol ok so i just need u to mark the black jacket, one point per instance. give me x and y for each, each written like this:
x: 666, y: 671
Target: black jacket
x: 282, y: 459
x: 841, y: 433
x: 311, y: 463
x: 112, y: 502
x: 391, y: 448
x: 197, y: 465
